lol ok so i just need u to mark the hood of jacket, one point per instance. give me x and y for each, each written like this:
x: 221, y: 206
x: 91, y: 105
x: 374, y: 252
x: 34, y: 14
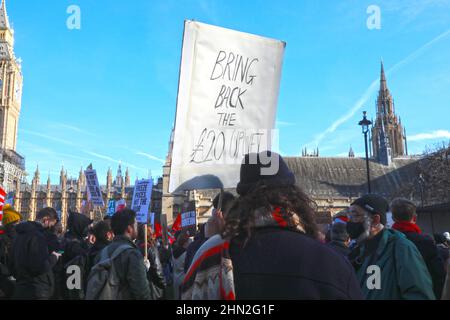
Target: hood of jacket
x: 77, y: 224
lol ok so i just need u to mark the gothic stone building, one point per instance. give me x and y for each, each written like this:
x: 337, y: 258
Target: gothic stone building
x: 69, y: 194
x: 12, y: 164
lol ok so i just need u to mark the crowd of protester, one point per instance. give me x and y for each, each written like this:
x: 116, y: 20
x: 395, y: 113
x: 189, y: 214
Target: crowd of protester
x: 262, y: 244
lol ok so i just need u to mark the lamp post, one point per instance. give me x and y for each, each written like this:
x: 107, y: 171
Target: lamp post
x: 364, y: 123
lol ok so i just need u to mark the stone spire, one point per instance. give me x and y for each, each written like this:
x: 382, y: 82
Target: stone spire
x: 127, y: 178
x: 351, y: 153
x: 383, y: 84
x: 81, y: 179
x: 119, y: 177
x: 109, y: 180
x: 387, y: 123
x: 37, y: 176
x: 48, y: 194
x: 4, y: 20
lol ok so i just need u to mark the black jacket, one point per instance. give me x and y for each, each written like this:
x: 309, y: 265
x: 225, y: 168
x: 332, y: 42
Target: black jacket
x: 278, y: 263
x: 433, y: 260
x: 340, y: 247
x: 155, y: 274
x: 32, y: 263
x: 192, y: 250
x: 75, y: 245
x: 131, y: 270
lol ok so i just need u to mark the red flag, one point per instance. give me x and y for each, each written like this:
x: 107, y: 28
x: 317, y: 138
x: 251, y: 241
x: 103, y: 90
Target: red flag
x: 2, y: 202
x: 171, y: 238
x: 177, y: 224
x: 158, y: 230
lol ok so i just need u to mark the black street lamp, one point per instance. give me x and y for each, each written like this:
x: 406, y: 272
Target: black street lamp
x: 364, y: 123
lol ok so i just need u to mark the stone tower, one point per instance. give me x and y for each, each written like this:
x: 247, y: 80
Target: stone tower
x: 387, y: 131
x: 12, y: 165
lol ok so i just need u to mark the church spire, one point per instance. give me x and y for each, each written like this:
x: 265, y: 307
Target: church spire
x: 383, y: 84
x: 4, y: 20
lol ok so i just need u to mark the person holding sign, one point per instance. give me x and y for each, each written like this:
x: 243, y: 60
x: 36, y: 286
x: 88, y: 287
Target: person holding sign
x: 269, y: 247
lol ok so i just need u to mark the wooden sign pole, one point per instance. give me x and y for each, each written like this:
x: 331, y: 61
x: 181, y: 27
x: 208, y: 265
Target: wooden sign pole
x: 146, y: 242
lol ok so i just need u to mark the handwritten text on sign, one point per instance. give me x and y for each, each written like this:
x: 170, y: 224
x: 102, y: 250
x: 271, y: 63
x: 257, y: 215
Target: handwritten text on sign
x: 229, y: 83
x: 141, y: 199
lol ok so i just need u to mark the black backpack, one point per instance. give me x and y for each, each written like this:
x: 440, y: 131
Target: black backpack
x: 81, y: 262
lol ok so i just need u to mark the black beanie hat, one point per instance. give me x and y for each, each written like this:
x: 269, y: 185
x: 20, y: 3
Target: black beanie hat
x: 374, y: 204
x: 251, y: 173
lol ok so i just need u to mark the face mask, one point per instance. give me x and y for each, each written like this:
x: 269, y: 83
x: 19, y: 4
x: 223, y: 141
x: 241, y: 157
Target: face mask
x: 355, y: 229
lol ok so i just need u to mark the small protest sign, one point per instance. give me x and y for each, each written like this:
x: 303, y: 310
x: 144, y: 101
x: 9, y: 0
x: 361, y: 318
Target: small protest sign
x: 93, y: 188
x: 188, y: 219
x: 141, y: 199
x: 111, y: 207
x: 226, y: 107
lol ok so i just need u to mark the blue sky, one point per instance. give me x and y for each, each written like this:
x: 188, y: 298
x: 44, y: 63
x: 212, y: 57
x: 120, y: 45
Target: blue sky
x: 106, y: 93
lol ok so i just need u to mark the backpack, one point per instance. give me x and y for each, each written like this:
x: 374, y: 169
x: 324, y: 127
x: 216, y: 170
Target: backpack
x: 82, y: 262
x: 103, y: 282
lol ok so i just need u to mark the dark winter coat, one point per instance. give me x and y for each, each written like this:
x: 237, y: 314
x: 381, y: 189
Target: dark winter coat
x: 155, y: 274
x: 131, y: 271
x: 433, y: 260
x: 75, y: 244
x: 277, y: 263
x: 93, y: 254
x: 6, y: 241
x: 192, y: 250
x: 32, y: 263
x: 340, y: 247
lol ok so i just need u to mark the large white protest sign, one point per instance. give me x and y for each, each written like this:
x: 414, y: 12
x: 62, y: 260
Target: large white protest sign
x: 226, y: 107
x: 93, y: 188
x: 141, y: 199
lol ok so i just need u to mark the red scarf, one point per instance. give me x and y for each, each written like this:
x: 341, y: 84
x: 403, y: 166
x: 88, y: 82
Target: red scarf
x: 405, y: 226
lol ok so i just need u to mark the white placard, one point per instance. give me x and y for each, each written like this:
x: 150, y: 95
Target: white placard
x: 141, y: 199
x: 93, y: 188
x: 226, y: 107
x: 188, y: 219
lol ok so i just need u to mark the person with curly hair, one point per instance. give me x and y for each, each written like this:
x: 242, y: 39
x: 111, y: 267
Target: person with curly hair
x: 269, y: 247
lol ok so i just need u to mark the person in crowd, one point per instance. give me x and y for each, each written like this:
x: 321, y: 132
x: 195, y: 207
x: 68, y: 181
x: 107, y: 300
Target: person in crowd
x: 165, y: 253
x: 129, y: 264
x: 443, y: 247
x: 178, y: 259
x: 155, y: 274
x: 32, y: 262
x: 76, y: 235
x: 103, y: 235
x: 446, y: 290
x: 339, y: 238
x: 269, y: 248
x: 213, y: 226
x: 447, y: 237
x: 10, y: 219
x: 387, y: 264
x: 405, y: 217
x: 199, y: 239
